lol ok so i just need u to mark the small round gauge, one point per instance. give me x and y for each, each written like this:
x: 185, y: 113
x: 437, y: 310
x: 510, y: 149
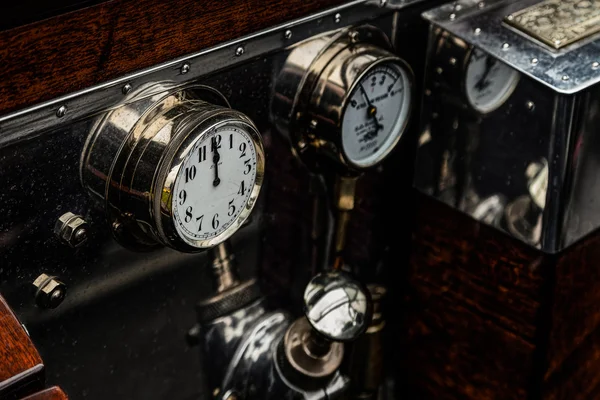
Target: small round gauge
x: 488, y: 81
x: 174, y: 169
x: 344, y: 100
x: 376, y: 114
x: 214, y: 185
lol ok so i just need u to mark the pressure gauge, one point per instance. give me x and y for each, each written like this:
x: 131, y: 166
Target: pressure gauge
x: 344, y: 99
x: 488, y: 81
x: 176, y: 168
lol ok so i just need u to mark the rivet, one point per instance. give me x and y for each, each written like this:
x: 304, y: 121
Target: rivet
x: 534, y: 61
x: 127, y: 88
x: 510, y: 17
x: 481, y: 4
x: 457, y: 7
x: 288, y: 34
x: 439, y: 70
x: 557, y: 42
x: 185, y: 68
x: 313, y: 123
x: 452, y: 17
x: 565, y: 77
x: 337, y: 18
x: 452, y: 61
x: 354, y: 36
x: 595, y: 65
x: 61, y: 111
x: 505, y: 46
x: 239, y: 51
x: 530, y: 105
x: 477, y: 31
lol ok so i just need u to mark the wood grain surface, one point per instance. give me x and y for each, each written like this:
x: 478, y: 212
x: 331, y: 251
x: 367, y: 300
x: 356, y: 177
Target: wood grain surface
x: 21, y: 366
x: 70, y: 52
x: 52, y: 393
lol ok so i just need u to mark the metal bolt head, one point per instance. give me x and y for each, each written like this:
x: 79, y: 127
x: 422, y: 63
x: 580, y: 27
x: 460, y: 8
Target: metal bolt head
x: 127, y: 88
x: 61, y: 111
x: 288, y: 34
x: 71, y: 229
x: 239, y: 51
x: 50, y: 291
x: 185, y: 68
x: 337, y: 18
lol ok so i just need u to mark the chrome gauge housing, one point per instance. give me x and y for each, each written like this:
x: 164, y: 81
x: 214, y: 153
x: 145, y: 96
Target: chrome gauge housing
x: 322, y: 104
x: 134, y: 157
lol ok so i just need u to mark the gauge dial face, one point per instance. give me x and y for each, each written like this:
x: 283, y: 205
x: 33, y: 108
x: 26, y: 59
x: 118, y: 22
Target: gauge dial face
x: 376, y: 114
x: 214, y: 185
x: 489, y: 82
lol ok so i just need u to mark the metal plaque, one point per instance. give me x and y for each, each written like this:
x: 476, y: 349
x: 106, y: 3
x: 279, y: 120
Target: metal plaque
x: 558, y: 23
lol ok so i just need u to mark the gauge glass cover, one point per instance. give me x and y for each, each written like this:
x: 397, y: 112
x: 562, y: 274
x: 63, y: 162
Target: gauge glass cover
x: 376, y: 114
x: 214, y: 184
x: 488, y: 81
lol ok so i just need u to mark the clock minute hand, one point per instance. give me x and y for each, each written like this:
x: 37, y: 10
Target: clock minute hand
x: 489, y: 64
x: 216, y: 159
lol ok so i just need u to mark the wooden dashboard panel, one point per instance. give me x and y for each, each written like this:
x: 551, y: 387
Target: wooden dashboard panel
x: 73, y: 51
x: 487, y: 317
x: 52, y: 393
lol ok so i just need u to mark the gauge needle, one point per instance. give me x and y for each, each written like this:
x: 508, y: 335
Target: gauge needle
x: 371, y: 112
x: 216, y: 159
x: 489, y: 64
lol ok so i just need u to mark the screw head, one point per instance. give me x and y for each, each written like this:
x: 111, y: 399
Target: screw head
x: 481, y: 4
x: 452, y: 17
x: 505, y: 46
x: 595, y: 65
x: 565, y: 77
x: 534, y: 61
x: 185, y: 68
x: 530, y: 105
x: 288, y: 34
x: 240, y: 51
x: 477, y: 31
x: 127, y: 88
x: 452, y: 61
x: 337, y: 18
x: 510, y: 17
x: 354, y: 36
x: 62, y: 110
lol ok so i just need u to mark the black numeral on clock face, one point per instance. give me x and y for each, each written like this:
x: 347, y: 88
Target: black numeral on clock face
x: 188, y: 214
x: 202, y: 154
x: 242, y: 190
x: 190, y: 173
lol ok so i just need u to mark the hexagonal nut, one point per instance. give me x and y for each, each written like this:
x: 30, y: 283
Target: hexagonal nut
x: 50, y: 291
x: 71, y: 229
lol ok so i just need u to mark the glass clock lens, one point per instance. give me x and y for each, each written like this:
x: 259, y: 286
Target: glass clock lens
x: 376, y: 114
x: 489, y: 82
x: 214, y: 183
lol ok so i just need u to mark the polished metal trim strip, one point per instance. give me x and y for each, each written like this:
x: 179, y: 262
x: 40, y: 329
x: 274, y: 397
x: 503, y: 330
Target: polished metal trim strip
x: 111, y: 94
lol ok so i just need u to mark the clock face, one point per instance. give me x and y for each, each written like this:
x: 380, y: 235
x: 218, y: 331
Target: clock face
x: 376, y: 114
x: 214, y: 185
x: 489, y: 82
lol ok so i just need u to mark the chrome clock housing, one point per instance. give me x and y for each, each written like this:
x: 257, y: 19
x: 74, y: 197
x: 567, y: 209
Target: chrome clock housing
x: 134, y: 154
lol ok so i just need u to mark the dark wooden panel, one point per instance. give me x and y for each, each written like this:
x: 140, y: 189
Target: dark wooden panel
x: 576, y: 310
x: 52, y: 393
x: 20, y: 364
x: 473, y: 301
x: 70, y: 52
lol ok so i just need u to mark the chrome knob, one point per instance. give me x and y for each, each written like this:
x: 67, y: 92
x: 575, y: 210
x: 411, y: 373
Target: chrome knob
x: 337, y: 306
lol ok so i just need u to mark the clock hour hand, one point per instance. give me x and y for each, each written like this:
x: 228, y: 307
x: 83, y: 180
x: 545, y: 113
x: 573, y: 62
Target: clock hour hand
x: 371, y: 112
x: 489, y: 64
x: 216, y: 159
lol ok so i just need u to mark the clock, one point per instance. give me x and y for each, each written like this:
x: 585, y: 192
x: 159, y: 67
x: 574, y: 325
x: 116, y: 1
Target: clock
x: 177, y: 167
x: 488, y: 81
x: 344, y: 99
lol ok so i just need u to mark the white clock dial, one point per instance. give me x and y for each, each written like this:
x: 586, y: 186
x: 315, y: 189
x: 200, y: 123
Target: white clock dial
x: 376, y: 114
x: 489, y: 82
x: 214, y: 184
